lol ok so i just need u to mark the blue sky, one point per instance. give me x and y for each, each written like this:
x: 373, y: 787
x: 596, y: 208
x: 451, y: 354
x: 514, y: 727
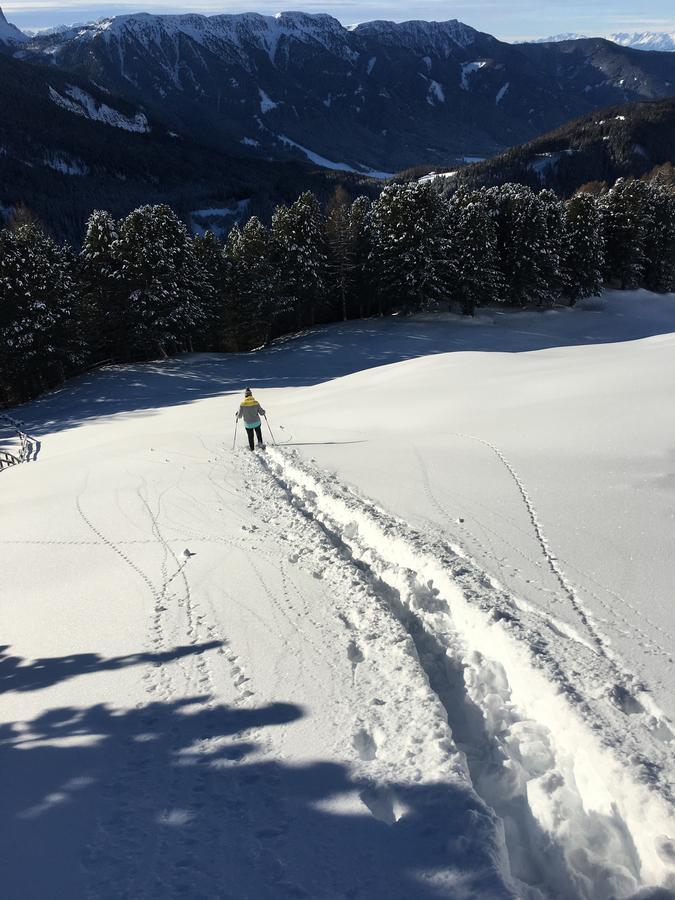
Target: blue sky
x: 507, y: 20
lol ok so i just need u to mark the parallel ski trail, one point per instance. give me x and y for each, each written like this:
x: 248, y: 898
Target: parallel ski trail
x: 547, y: 696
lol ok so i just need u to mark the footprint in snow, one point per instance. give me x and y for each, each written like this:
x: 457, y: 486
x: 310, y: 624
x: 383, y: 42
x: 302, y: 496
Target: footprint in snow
x: 380, y: 802
x: 364, y: 744
x: 354, y: 654
x: 624, y: 700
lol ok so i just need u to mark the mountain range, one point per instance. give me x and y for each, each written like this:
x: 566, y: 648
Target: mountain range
x: 637, y: 40
x: 371, y: 99
x: 67, y: 147
x: 231, y: 113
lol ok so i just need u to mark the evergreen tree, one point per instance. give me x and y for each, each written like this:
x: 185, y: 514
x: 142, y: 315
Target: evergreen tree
x: 253, y: 284
x: 409, y: 256
x: 584, y: 263
x: 473, y: 252
x: 360, y: 235
x: 522, y: 244
x: 625, y: 222
x: 340, y: 249
x: 659, y: 247
x: 102, y: 288
x: 217, y: 331
x: 300, y: 257
x: 40, y: 333
x: 554, y: 271
x: 164, y: 283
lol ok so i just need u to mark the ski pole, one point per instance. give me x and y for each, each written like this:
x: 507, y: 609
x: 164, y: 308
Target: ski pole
x: 234, y: 440
x: 270, y: 431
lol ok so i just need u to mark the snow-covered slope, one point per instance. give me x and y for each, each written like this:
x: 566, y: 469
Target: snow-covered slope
x: 636, y: 40
x: 422, y: 648
x: 10, y: 34
x: 557, y: 38
x: 229, y: 33
x: 645, y: 40
x: 81, y: 103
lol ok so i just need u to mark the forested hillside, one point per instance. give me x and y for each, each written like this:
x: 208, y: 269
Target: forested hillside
x: 86, y: 151
x: 618, y: 142
x: 142, y: 286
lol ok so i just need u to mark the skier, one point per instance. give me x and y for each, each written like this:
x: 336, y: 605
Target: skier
x: 250, y: 411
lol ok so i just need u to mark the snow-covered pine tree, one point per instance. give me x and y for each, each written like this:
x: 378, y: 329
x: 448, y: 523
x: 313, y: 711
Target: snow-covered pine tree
x: 584, y: 263
x: 659, y: 248
x: 106, y: 301
x: 40, y: 334
x: 409, y: 256
x: 300, y: 257
x: 216, y: 332
x: 165, y: 283
x: 253, y: 285
x: 473, y: 251
x: 557, y: 245
x: 522, y: 244
x: 359, y: 229
x: 625, y: 222
x: 341, y: 251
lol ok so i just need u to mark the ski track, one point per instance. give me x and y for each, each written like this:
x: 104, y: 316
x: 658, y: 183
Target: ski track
x: 649, y: 643
x: 559, y: 741
x: 551, y: 559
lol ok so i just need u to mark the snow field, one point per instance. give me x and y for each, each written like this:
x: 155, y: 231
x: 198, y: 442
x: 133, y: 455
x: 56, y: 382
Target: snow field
x: 419, y: 649
x: 553, y: 764
x: 251, y: 708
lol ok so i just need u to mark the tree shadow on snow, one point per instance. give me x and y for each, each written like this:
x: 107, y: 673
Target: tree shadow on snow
x: 177, y: 798
x: 17, y: 674
x: 330, y: 352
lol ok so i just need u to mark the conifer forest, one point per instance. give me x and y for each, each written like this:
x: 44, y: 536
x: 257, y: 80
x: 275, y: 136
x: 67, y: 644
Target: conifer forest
x: 144, y: 287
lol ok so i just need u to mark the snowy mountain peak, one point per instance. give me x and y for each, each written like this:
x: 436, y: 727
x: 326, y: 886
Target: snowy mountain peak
x: 557, y: 38
x: 267, y: 32
x: 645, y: 40
x: 10, y: 34
x: 420, y: 34
x: 212, y: 31
x: 636, y: 40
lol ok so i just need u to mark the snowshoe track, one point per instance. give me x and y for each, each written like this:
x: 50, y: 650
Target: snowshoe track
x: 173, y: 861
x: 571, y: 774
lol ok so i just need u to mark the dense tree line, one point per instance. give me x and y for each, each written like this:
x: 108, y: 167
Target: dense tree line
x: 143, y: 286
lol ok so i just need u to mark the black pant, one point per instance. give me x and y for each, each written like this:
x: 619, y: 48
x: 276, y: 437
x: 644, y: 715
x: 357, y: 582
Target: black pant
x: 249, y: 434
